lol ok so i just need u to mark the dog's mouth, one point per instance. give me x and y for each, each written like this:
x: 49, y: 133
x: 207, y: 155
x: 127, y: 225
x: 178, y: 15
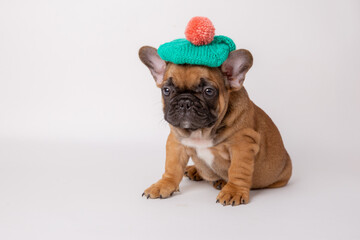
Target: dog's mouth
x: 188, y: 125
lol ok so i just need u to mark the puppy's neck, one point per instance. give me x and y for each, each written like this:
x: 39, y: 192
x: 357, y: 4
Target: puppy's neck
x: 198, y: 139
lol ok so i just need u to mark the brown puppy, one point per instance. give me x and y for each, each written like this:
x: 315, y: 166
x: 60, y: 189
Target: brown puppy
x: 232, y: 142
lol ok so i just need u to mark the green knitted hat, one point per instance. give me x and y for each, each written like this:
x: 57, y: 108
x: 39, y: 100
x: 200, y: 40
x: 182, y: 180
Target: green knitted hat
x: 200, y: 47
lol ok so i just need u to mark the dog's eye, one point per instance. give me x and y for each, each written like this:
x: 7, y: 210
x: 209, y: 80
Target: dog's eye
x: 209, y: 92
x: 166, y: 91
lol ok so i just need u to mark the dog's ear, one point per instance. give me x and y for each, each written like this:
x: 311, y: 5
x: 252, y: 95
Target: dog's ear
x: 236, y: 66
x: 150, y: 57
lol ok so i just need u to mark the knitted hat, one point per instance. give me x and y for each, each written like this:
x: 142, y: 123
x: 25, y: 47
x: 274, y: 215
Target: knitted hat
x: 200, y: 47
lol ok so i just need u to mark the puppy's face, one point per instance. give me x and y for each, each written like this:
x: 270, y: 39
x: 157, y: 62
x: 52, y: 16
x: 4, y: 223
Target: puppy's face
x: 192, y: 96
x: 195, y: 97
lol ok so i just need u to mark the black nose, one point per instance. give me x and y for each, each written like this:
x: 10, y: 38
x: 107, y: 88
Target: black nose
x: 185, y: 104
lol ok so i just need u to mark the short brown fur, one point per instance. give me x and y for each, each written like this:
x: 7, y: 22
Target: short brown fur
x: 247, y: 147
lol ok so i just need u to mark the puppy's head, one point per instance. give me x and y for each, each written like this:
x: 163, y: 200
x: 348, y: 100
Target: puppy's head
x: 196, y: 97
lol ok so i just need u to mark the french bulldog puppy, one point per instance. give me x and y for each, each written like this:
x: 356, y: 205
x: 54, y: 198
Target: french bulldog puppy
x: 232, y: 142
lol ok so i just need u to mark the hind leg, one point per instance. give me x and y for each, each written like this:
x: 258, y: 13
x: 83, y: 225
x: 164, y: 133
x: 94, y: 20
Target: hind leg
x: 219, y: 184
x: 284, y: 176
x: 192, y: 173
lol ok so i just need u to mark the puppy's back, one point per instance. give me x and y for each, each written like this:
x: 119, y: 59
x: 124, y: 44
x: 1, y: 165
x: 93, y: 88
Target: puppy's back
x: 272, y: 164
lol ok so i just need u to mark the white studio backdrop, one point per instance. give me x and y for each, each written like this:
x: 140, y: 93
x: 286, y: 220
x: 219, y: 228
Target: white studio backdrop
x: 70, y: 76
x: 69, y: 69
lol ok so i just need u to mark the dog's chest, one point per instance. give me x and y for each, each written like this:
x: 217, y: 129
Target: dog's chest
x: 206, y: 155
x: 201, y: 145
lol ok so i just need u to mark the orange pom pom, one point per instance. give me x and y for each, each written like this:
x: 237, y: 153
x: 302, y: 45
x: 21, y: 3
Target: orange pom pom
x: 200, y: 31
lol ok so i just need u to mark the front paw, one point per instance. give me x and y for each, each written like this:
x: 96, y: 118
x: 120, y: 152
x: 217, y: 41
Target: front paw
x: 161, y: 189
x: 232, y: 195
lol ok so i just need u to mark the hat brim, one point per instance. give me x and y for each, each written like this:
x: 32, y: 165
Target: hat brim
x: 181, y: 51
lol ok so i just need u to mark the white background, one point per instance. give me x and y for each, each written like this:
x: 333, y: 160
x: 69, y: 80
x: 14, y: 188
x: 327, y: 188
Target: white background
x: 82, y: 135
